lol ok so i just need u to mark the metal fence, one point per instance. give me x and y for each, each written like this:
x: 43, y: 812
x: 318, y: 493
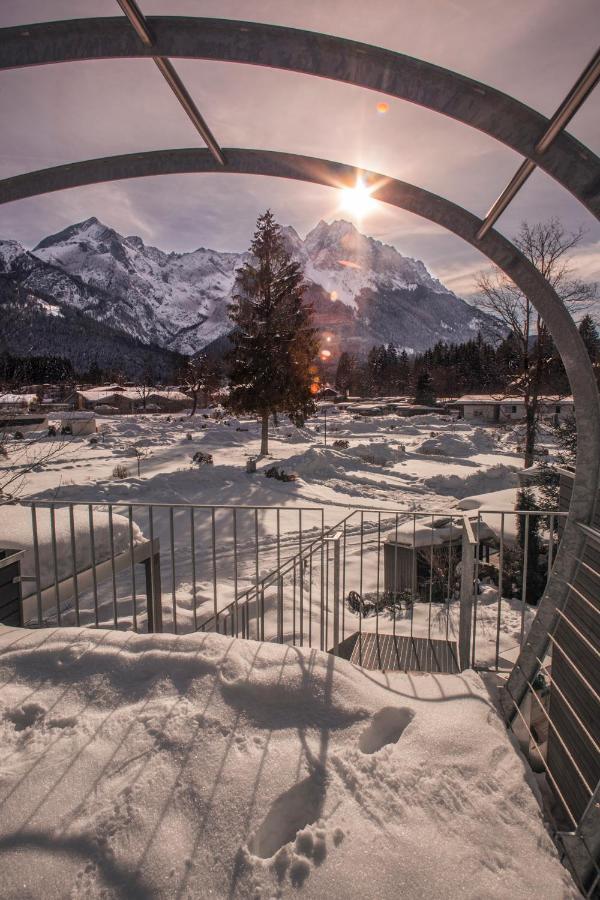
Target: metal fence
x: 290, y: 574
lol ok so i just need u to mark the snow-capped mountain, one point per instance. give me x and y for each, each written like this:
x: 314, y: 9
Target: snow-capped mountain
x: 364, y: 291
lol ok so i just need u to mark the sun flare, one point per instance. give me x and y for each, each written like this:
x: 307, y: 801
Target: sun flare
x: 357, y: 200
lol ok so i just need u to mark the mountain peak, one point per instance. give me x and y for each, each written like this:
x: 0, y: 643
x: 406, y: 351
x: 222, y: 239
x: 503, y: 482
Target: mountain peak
x: 334, y: 230
x: 91, y: 227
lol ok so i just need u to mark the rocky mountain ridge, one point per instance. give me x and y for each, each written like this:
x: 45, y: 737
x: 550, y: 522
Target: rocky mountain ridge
x: 364, y: 291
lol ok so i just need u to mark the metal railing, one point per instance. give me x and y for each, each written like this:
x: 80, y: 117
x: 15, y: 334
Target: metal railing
x: 287, y: 574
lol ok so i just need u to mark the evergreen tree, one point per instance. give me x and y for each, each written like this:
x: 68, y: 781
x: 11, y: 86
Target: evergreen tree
x: 591, y: 338
x: 424, y: 389
x: 403, y: 372
x: 536, y: 570
x: 274, y: 342
x: 346, y: 371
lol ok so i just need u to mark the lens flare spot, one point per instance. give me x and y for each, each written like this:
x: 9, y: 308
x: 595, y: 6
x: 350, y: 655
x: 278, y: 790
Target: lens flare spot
x: 382, y: 108
x: 333, y: 295
x: 325, y: 354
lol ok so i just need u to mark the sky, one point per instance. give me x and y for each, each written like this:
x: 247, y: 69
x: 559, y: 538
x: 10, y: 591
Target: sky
x: 72, y: 111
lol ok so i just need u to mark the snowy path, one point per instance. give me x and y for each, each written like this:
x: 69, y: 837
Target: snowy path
x: 163, y: 767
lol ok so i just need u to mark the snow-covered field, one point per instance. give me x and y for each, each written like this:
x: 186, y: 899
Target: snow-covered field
x: 391, y: 462
x: 390, y: 468
x: 200, y: 766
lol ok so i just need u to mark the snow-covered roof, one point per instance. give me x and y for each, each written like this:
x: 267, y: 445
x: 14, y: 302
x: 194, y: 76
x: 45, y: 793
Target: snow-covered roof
x: 467, y: 399
x: 169, y: 395
x: 433, y: 531
x: 25, y: 399
x: 69, y: 416
x: 98, y: 394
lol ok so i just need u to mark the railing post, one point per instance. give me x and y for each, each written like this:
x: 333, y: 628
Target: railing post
x: 153, y: 589
x: 335, y: 539
x: 280, y: 609
x: 469, y: 545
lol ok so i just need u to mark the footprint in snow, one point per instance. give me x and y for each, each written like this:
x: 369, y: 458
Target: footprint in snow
x: 25, y: 716
x: 386, y: 727
x: 289, y: 814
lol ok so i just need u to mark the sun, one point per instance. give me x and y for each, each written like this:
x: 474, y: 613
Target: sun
x: 357, y: 200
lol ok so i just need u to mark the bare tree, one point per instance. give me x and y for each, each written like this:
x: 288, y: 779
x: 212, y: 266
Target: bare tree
x: 20, y: 455
x: 201, y: 378
x: 549, y: 247
x: 146, y: 386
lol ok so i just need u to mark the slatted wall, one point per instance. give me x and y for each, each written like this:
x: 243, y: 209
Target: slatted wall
x: 573, y: 759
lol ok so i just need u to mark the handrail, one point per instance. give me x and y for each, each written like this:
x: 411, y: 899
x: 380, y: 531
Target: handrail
x: 246, y: 596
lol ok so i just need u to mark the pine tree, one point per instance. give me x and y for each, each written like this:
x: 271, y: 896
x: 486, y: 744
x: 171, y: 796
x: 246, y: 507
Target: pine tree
x: 424, y: 389
x: 346, y: 371
x: 274, y: 342
x: 403, y: 372
x: 536, y: 574
x: 591, y: 338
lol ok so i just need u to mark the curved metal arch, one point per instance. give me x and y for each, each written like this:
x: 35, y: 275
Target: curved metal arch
x: 482, y: 107
x: 461, y: 223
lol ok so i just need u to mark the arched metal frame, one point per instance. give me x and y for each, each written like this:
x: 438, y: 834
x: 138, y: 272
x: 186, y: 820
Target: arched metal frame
x: 464, y: 99
x: 502, y: 117
x: 451, y: 217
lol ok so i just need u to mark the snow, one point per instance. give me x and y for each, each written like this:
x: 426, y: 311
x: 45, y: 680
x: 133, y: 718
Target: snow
x: 498, y: 477
x: 16, y: 533
x: 447, y: 445
x: 157, y: 766
x: 17, y: 399
x: 373, y: 481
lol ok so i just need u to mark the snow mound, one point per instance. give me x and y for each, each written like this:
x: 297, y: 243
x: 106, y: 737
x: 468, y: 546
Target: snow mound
x: 517, y: 434
x: 316, y: 462
x: 201, y: 766
x: 378, y: 453
x: 428, y: 419
x: 16, y: 533
x: 494, y: 478
x: 447, y: 445
x: 485, y: 440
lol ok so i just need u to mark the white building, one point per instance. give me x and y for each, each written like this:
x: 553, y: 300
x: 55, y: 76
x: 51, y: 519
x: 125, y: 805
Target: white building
x: 484, y: 408
x: 78, y: 423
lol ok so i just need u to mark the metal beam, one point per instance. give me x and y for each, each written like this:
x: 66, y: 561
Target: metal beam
x: 478, y: 105
x: 169, y: 73
x: 580, y: 91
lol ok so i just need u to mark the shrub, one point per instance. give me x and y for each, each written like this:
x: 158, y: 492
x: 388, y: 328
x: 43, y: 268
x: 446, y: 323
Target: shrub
x: 340, y: 444
x: 370, y: 603
x: 279, y: 474
x: 120, y: 471
x: 202, y: 459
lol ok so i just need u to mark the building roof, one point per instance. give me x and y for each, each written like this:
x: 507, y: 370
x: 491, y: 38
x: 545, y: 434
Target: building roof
x: 103, y: 394
x: 69, y: 415
x: 476, y: 399
x: 17, y: 398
